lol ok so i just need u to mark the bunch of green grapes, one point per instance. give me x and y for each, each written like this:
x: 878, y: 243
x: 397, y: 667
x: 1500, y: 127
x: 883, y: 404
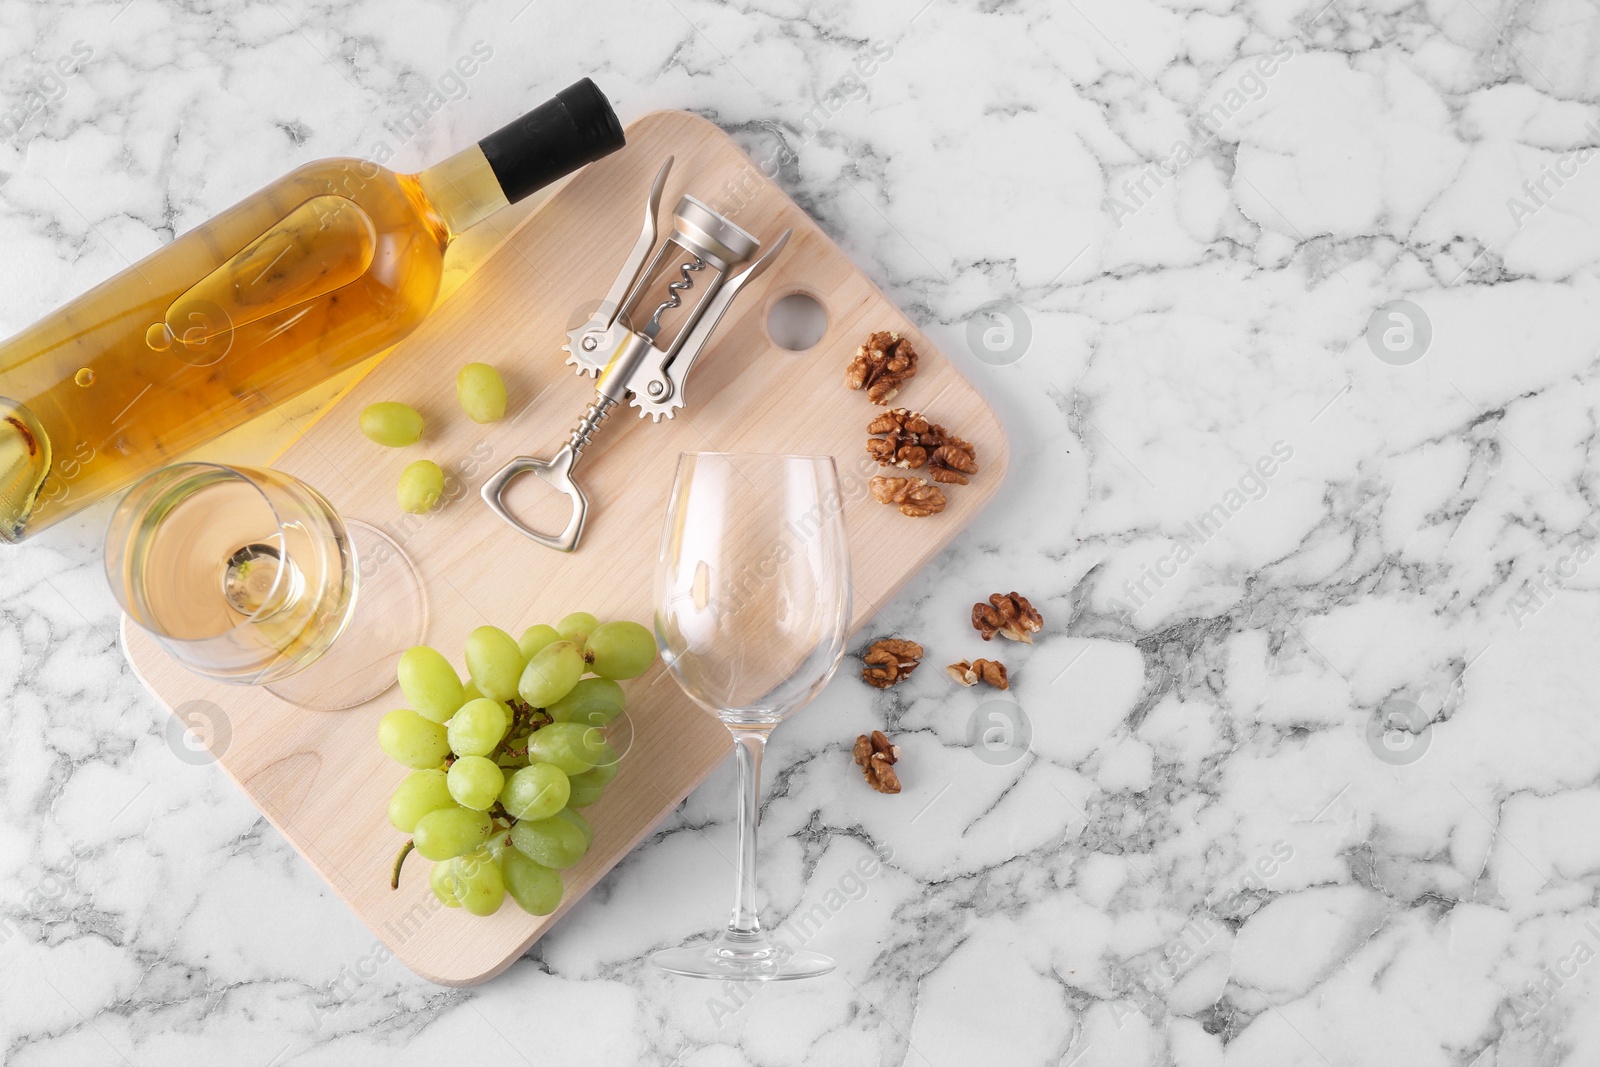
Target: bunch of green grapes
x: 501, y: 763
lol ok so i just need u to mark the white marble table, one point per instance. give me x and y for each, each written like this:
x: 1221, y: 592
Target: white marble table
x: 1310, y: 774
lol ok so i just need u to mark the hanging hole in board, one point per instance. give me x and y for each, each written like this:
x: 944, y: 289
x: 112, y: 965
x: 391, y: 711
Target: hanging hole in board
x: 797, y: 322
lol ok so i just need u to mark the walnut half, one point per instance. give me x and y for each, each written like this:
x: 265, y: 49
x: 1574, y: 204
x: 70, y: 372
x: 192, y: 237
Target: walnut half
x: 876, y: 756
x: 907, y: 438
x: 953, y: 461
x: 890, y: 661
x: 914, y: 496
x: 880, y: 365
x: 1009, y: 615
x: 990, y: 671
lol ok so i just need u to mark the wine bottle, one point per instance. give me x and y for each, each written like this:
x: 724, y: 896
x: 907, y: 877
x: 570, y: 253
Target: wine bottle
x: 321, y: 269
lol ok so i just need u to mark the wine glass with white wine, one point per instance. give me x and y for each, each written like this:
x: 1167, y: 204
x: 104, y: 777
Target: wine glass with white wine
x: 752, y: 612
x: 249, y: 576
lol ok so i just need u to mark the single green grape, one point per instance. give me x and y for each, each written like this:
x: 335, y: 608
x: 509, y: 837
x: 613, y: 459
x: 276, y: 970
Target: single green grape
x: 475, y: 782
x: 421, y: 486
x: 537, y: 791
x: 430, y: 683
x: 450, y: 832
x: 593, y: 701
x: 421, y: 792
x: 551, y: 674
x: 572, y: 746
x: 482, y: 392
x: 584, y: 789
x: 410, y: 739
x: 441, y: 879
x: 391, y: 424
x: 535, y: 887
x: 494, y: 661
x: 620, y: 649
x: 577, y: 626
x: 477, y: 727
x: 535, y: 638
x: 555, y: 842
x: 479, y: 882
x: 580, y: 822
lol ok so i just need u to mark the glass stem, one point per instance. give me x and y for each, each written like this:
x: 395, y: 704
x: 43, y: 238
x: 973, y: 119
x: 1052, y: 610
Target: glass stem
x: 748, y: 746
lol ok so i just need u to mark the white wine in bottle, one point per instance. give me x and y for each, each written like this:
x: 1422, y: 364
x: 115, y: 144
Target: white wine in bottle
x: 324, y: 267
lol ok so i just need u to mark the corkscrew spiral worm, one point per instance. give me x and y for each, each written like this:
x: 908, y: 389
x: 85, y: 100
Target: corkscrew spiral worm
x: 675, y: 291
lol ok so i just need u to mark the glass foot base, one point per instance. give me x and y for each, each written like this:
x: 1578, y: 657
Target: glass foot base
x: 717, y: 961
x: 391, y: 615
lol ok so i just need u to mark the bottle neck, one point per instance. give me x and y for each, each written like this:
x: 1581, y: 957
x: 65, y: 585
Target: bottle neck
x: 463, y: 190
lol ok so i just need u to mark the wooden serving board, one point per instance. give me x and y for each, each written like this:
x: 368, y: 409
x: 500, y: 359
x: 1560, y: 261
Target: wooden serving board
x: 320, y: 777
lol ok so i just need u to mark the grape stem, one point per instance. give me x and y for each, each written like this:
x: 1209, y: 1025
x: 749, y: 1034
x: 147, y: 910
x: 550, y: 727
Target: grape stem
x: 399, y: 861
x: 525, y: 715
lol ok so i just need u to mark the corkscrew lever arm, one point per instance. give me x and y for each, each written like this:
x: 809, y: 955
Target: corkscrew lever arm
x: 641, y: 251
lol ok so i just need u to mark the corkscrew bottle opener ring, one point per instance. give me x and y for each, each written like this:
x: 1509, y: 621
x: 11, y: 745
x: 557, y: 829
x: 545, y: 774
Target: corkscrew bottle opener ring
x: 643, y: 340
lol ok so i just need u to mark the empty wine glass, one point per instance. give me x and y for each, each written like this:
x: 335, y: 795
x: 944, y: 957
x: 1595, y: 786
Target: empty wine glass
x: 752, y: 611
x: 249, y: 576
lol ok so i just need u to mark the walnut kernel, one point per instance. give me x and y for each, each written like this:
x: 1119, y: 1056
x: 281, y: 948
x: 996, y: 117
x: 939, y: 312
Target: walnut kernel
x: 876, y: 756
x: 890, y: 661
x: 914, y: 496
x: 1009, y: 615
x: 907, y: 441
x: 880, y: 365
x: 990, y: 671
x: 953, y: 461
